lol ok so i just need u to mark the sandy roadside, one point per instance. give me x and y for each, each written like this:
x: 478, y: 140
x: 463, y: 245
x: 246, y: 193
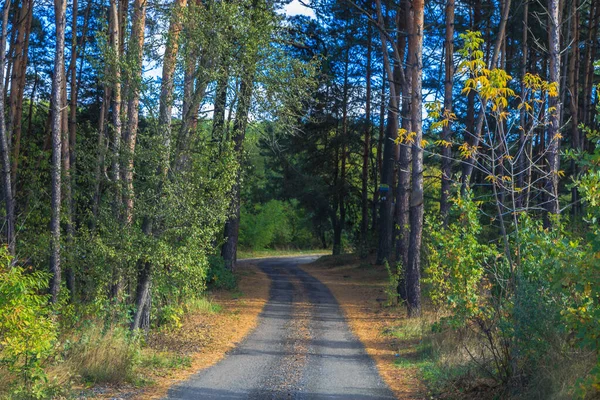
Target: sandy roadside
x: 360, y: 291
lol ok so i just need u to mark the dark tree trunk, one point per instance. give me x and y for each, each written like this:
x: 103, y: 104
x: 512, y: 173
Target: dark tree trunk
x: 379, y: 160
x: 574, y: 97
x: 232, y: 226
x: 364, y: 225
x: 522, y: 155
x: 403, y: 190
x: 390, y: 151
x: 17, y: 84
x: 447, y: 130
x: 141, y: 317
x: 220, y: 104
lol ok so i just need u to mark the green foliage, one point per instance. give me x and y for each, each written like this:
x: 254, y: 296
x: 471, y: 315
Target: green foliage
x: 523, y: 316
x: 275, y: 224
x: 219, y: 276
x: 27, y: 329
x: 391, y: 289
x: 457, y: 261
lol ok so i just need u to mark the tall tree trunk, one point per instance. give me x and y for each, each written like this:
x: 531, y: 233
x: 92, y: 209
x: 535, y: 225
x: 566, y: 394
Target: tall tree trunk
x: 101, y: 150
x: 379, y: 160
x: 553, y: 102
x: 56, y: 102
x: 588, y: 72
x: 220, y: 104
x: 232, y: 226
x: 403, y: 190
x: 6, y: 175
x: 144, y: 279
x: 413, y: 274
x: 364, y: 225
x: 17, y: 84
x: 67, y: 192
x: 341, y: 188
x: 134, y: 56
x: 116, y: 107
x: 168, y: 78
x: 73, y: 100
x: 574, y: 96
x: 141, y: 316
x: 447, y: 130
x: 522, y: 150
x: 386, y: 228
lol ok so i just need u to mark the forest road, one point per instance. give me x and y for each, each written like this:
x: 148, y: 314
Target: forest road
x: 301, y: 349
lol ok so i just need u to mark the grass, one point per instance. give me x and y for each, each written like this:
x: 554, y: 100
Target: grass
x: 435, y: 355
x: 203, y: 305
x: 265, y: 253
x: 446, y: 364
x: 104, y: 356
x: 164, y: 360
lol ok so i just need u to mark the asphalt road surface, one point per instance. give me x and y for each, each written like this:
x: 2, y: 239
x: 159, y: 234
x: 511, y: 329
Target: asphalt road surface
x: 302, y: 348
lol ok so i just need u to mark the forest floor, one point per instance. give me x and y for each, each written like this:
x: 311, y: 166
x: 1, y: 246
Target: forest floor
x: 360, y: 289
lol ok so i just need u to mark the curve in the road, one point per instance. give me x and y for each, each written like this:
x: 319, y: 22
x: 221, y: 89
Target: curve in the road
x: 301, y: 349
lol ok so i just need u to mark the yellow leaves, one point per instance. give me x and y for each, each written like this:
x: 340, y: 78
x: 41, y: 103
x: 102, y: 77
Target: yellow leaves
x: 401, y: 135
x: 424, y: 143
x: 467, y: 151
x: 405, y: 137
x: 536, y: 84
x: 443, y: 143
x: 491, y: 178
x: 552, y: 89
x: 527, y: 106
x: 560, y: 174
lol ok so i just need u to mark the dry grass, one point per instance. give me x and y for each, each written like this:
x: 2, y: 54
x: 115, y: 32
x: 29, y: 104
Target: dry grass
x: 360, y: 290
x: 100, y: 356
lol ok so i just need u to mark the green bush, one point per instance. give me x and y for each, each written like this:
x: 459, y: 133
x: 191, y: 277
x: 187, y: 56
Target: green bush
x: 539, y: 312
x: 219, y: 276
x: 27, y: 330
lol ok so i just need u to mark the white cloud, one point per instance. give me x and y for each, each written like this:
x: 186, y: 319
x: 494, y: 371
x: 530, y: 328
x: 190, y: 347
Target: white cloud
x: 297, y: 8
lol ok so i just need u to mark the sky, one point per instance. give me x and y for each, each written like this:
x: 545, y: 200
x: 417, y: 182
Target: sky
x: 297, y: 8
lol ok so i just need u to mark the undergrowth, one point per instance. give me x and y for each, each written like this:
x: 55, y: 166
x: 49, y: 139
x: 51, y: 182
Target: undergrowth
x: 452, y: 364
